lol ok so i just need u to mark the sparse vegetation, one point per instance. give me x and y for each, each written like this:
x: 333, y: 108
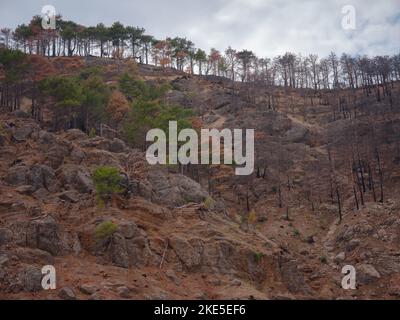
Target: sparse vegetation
x: 209, y: 203
x: 92, y: 133
x: 105, y: 229
x: 107, y: 182
x: 252, y: 218
x: 258, y: 256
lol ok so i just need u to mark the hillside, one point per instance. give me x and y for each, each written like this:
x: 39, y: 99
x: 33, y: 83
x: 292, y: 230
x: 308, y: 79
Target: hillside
x: 324, y: 194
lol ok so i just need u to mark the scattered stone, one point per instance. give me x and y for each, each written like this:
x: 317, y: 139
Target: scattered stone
x: 310, y: 239
x: 31, y: 279
x: 117, y: 146
x: 17, y: 176
x: 69, y: 196
x: 340, y: 257
x: 119, y: 253
x: 124, y: 292
x: 215, y: 282
x: 88, y: 289
x: 354, y: 243
x: 236, y: 283
x: 172, y: 276
x: 366, y: 273
x: 22, y: 133
x: 25, y: 189
x: 3, y: 260
x: 67, y: 293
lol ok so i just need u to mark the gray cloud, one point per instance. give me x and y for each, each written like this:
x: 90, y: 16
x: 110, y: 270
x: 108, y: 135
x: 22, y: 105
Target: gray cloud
x: 268, y: 27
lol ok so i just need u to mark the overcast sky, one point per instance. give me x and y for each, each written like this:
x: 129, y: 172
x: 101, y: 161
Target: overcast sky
x: 268, y: 27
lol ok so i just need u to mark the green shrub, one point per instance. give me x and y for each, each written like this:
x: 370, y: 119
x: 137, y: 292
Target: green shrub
x: 323, y: 259
x: 3, y: 130
x: 107, y: 182
x: 105, y: 229
x: 209, y: 203
x: 92, y: 133
x: 258, y: 256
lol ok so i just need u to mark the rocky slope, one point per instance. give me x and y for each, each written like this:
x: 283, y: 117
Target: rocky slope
x: 187, y: 236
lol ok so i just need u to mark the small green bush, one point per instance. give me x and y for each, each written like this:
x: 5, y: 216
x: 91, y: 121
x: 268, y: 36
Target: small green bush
x: 296, y: 233
x: 107, y: 182
x: 323, y: 259
x: 3, y: 130
x: 105, y: 229
x: 209, y: 203
x: 92, y: 133
x: 258, y: 256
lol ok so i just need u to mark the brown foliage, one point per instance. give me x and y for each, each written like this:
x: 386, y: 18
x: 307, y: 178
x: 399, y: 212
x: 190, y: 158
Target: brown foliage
x: 118, y: 106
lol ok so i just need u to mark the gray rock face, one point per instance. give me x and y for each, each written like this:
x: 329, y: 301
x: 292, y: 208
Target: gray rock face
x: 43, y: 234
x: 38, y: 176
x: 175, y: 189
x: 75, y: 134
x: 119, y: 253
x: 117, y: 146
x: 5, y: 236
x: 77, y: 155
x: 354, y: 243
x: 69, y: 196
x: 56, y: 154
x: 366, y: 273
x: 124, y: 292
x: 22, y: 133
x: 340, y: 257
x: 76, y: 177
x: 17, y: 175
x: 127, y: 247
x: 42, y: 176
x: 296, y: 134
x: 88, y: 289
x: 31, y: 278
x: 45, y: 137
x: 292, y: 277
x: 189, y: 254
x: 83, y: 182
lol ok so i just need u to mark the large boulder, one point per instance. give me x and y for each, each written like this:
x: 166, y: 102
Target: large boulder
x: 17, y: 175
x: 117, y: 146
x: 44, y: 234
x: 297, y: 133
x: 42, y: 176
x: 76, y: 177
x: 126, y: 247
x: 175, y: 189
x: 189, y: 253
x: 31, y: 278
x: 56, y: 154
x: 38, y: 176
x: 23, y: 132
x: 366, y: 273
x: 292, y: 277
